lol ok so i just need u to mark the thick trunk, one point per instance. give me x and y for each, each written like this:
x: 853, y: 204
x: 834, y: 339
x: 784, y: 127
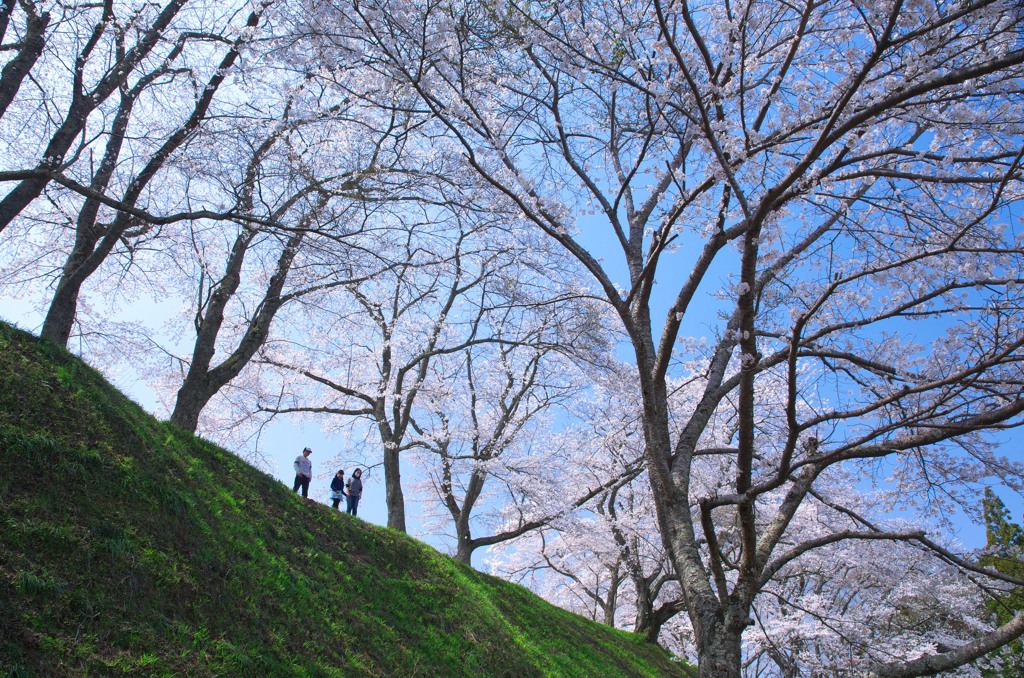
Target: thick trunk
x: 717, y: 629
x: 393, y: 485
x: 644, y: 607
x: 611, y: 602
x: 716, y: 636
x: 193, y: 396
x: 465, y: 548
x: 649, y: 620
x: 92, y: 243
x: 203, y: 382
x: 197, y: 389
x: 60, y: 317
x: 464, y: 553
x: 719, y: 653
x: 650, y: 630
x: 82, y: 262
x: 646, y: 627
x: 466, y: 545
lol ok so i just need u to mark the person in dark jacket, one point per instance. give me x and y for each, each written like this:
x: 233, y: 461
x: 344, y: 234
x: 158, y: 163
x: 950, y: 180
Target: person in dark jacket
x: 338, y: 488
x: 355, y: 490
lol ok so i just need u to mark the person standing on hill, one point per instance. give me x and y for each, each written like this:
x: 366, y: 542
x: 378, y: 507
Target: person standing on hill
x: 355, y: 490
x: 338, y: 488
x: 303, y: 472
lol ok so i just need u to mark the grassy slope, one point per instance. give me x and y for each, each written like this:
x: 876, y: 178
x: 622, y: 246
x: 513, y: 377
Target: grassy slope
x: 130, y: 547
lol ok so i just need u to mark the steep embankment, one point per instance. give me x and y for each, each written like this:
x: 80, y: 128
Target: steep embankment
x: 130, y: 547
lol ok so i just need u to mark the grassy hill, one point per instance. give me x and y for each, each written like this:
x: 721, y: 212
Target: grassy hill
x: 129, y: 547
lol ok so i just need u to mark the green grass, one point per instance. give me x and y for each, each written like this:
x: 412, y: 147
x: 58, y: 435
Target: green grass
x: 129, y: 547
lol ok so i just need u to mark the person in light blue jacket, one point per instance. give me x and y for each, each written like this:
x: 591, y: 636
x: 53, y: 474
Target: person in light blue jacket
x: 338, y: 488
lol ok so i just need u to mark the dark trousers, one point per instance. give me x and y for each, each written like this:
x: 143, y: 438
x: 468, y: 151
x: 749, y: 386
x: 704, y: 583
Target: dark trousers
x: 351, y: 504
x: 303, y: 482
x: 335, y: 502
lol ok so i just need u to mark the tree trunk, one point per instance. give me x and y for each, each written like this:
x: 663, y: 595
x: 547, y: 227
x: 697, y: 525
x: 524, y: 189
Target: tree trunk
x: 465, y: 548
x: 719, y: 653
x: 82, y: 262
x: 393, y: 484
x: 203, y: 382
x: 649, y: 620
x: 192, y: 398
x: 60, y: 317
x: 646, y: 627
x: 611, y: 603
x: 717, y: 629
x: 86, y: 256
x: 464, y: 554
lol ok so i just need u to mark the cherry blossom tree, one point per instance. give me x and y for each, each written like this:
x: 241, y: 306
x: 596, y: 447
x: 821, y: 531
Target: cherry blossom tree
x: 316, y: 196
x: 858, y: 605
x: 838, y: 182
x: 144, y: 83
x: 498, y: 453
x: 277, y: 164
x: 603, y: 560
x: 370, y: 347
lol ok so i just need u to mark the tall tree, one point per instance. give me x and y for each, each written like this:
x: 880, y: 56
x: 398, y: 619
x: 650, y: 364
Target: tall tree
x: 1005, y: 553
x: 372, y: 353
x: 829, y: 175
x: 495, y: 457
x: 313, y: 216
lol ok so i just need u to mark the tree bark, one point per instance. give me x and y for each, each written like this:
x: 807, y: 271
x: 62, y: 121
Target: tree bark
x: 194, y: 392
x: 31, y: 47
x: 650, y: 626
x: 464, y: 550
x: 393, y: 486
x: 60, y: 316
x: 719, y: 653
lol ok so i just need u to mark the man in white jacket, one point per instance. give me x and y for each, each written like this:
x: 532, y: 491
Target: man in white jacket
x: 303, y: 472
